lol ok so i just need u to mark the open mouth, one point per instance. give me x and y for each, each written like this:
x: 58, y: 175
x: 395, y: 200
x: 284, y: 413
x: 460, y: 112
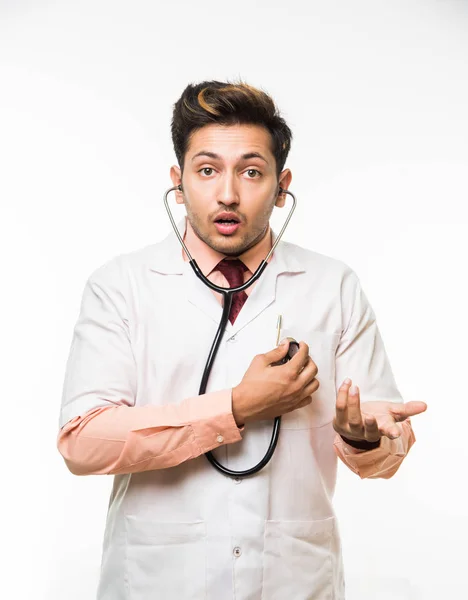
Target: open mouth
x: 226, y: 225
x: 227, y: 217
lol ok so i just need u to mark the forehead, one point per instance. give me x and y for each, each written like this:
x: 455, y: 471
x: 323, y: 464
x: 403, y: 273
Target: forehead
x: 230, y: 139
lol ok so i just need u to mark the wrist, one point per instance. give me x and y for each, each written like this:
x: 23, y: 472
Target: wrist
x: 236, y: 407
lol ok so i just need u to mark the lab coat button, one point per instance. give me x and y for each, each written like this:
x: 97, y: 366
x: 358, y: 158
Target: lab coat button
x: 237, y: 551
x: 237, y: 480
x: 220, y: 438
x: 232, y: 339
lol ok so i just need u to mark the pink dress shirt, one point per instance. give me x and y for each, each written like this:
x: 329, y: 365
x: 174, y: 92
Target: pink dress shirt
x: 122, y: 439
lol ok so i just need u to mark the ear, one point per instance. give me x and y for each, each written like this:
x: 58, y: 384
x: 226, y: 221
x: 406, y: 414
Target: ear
x: 284, y: 182
x: 176, y: 177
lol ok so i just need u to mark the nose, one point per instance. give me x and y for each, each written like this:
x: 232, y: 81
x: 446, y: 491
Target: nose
x: 228, y: 193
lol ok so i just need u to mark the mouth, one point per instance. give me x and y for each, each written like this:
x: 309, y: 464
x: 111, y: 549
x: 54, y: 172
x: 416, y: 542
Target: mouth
x: 227, y: 223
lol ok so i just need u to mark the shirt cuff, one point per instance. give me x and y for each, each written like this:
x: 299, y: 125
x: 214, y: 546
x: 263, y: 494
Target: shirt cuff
x: 212, y: 420
x: 383, y: 461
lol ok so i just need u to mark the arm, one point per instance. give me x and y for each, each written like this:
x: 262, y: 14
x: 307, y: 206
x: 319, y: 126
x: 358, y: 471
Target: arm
x: 361, y: 356
x: 102, y: 431
x: 122, y: 439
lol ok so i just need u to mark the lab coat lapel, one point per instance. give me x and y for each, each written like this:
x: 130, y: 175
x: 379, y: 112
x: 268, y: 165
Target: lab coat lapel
x: 200, y: 295
x: 169, y: 261
x: 259, y: 299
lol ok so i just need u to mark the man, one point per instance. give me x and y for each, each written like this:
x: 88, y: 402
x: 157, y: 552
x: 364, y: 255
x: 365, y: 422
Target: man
x: 177, y: 528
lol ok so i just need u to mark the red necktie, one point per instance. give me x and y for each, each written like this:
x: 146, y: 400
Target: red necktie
x: 233, y: 270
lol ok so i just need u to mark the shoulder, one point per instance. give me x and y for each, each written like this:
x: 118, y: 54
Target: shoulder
x: 317, y: 262
x: 116, y: 269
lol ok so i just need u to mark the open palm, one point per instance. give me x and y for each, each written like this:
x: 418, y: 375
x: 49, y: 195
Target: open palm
x: 371, y: 420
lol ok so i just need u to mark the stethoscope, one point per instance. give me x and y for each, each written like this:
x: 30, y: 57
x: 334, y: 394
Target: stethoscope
x: 227, y: 301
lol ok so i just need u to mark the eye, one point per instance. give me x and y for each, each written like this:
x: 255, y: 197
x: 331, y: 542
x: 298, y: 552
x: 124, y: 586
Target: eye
x: 254, y: 171
x: 206, y: 169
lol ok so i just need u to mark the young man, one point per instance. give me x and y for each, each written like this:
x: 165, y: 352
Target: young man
x: 177, y: 528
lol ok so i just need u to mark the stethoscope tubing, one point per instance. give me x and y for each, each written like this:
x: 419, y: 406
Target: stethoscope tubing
x: 227, y: 301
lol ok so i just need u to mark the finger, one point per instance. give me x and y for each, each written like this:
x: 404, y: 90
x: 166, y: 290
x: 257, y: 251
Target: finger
x: 342, y: 404
x: 354, y: 409
x: 308, y: 373
x: 402, y: 411
x: 299, y: 361
x: 305, y: 401
x: 310, y: 388
x: 390, y: 429
x: 371, y: 429
x: 276, y: 354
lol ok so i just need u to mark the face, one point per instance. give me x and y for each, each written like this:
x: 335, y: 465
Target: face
x: 223, y: 180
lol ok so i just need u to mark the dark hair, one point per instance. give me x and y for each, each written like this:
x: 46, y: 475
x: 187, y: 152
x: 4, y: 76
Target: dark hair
x: 228, y: 103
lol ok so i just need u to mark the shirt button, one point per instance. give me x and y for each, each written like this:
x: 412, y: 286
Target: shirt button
x: 220, y: 438
x: 237, y: 480
x: 232, y: 339
x: 237, y: 551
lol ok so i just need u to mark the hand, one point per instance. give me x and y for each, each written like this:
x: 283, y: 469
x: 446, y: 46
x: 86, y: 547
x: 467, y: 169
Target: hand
x: 268, y: 391
x: 371, y: 420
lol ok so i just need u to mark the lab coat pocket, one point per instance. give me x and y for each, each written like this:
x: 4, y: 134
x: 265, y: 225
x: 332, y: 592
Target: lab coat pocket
x: 165, y: 559
x: 298, y: 560
x: 322, y: 347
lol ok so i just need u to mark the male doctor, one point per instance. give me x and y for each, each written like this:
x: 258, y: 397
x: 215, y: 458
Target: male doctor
x: 178, y: 529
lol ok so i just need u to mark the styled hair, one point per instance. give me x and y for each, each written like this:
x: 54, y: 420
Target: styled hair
x: 228, y: 103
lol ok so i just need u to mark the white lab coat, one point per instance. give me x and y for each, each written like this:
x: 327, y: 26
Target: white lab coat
x: 145, y: 327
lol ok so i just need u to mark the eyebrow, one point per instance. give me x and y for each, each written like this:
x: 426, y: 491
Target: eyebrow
x: 215, y: 156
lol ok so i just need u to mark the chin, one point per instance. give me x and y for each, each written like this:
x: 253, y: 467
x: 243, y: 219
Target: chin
x: 228, y: 247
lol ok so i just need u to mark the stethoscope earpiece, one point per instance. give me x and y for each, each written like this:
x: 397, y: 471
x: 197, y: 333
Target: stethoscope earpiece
x: 179, y: 187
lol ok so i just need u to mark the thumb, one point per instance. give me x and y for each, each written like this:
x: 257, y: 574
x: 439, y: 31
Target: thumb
x: 409, y: 409
x: 277, y: 353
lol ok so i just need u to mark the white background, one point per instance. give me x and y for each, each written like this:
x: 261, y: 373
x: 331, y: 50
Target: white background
x: 376, y: 94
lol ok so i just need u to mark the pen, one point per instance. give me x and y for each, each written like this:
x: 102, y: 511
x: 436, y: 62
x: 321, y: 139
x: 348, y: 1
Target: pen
x: 278, y: 329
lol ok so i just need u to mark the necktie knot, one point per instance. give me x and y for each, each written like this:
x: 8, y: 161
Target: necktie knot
x: 233, y: 270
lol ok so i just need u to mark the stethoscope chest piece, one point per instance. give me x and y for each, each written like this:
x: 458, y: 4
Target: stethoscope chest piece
x: 292, y: 351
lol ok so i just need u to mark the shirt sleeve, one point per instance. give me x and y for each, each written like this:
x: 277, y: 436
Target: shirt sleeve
x: 361, y: 356
x: 121, y: 439
x: 102, y: 431
x: 382, y: 462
